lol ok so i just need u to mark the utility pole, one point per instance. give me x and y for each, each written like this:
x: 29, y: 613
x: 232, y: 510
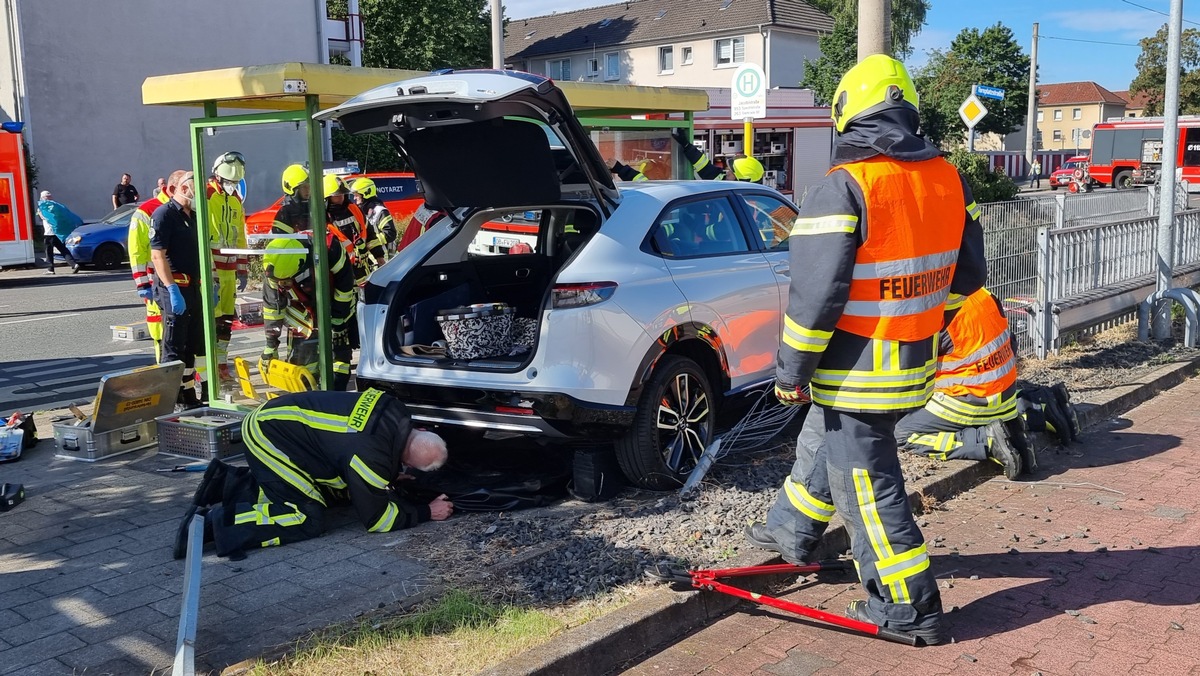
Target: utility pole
x: 1165, y: 254
x: 1031, y: 128
x: 497, y: 35
x: 874, y: 28
x: 354, y: 32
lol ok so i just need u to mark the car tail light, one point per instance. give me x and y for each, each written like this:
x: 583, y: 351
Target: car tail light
x: 515, y: 410
x: 581, y: 295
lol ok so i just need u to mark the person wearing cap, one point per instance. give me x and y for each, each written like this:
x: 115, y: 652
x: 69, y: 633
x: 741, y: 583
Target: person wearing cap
x: 289, y: 303
x: 891, y: 246
x: 175, y: 254
x: 57, y: 224
x: 366, y: 196
x: 363, y: 448
x: 139, y: 257
x: 349, y: 227
x: 226, y: 231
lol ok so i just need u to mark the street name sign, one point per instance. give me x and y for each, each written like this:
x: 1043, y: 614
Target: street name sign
x: 972, y: 111
x: 989, y: 92
x: 748, y: 93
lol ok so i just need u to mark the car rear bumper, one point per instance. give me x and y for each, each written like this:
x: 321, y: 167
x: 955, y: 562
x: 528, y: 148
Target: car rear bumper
x: 547, y: 414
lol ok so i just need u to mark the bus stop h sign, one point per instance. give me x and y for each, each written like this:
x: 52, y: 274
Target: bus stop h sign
x: 748, y: 93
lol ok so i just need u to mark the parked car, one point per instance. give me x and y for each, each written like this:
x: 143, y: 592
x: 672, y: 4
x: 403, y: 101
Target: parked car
x: 647, y: 308
x: 103, y: 243
x: 398, y: 190
x: 1061, y: 177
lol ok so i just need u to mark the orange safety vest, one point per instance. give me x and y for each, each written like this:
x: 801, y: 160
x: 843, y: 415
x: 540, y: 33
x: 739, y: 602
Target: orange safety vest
x: 982, y: 363
x: 915, y: 212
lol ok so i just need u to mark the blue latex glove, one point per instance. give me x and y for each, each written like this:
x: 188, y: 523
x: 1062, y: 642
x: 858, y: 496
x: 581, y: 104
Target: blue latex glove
x: 243, y: 280
x: 178, y: 306
x: 146, y: 293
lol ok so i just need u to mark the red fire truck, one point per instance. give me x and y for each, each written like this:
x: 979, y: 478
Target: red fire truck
x: 1128, y: 152
x: 16, y: 223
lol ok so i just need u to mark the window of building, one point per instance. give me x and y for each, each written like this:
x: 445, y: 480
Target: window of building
x: 1057, y: 115
x: 1058, y: 135
x: 1041, y: 116
x: 685, y: 56
x: 593, y: 67
x: 1131, y: 115
x: 666, y: 60
x: 559, y: 69
x: 612, y: 66
x: 1077, y: 113
x: 730, y: 51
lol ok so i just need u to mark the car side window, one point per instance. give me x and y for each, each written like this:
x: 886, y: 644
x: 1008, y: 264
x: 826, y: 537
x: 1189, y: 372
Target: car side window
x: 700, y: 228
x: 772, y: 219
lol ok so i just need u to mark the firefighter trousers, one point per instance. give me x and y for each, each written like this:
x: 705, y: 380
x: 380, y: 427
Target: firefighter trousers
x: 861, y: 479
x: 154, y: 327
x: 802, y: 509
x: 926, y: 433
x: 183, y: 333
x: 225, y: 310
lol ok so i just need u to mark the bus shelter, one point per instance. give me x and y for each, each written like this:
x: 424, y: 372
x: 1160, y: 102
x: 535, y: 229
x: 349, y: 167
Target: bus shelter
x: 628, y: 123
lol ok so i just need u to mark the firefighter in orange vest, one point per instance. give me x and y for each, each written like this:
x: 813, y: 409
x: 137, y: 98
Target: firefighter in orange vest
x: 139, y: 259
x: 884, y: 247
x: 973, y: 412
x: 349, y: 226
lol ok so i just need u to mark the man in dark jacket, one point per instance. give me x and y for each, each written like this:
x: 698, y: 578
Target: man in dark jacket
x: 307, y: 451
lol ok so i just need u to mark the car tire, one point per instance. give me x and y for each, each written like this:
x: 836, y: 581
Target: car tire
x: 662, y: 447
x: 1123, y: 180
x: 108, y: 256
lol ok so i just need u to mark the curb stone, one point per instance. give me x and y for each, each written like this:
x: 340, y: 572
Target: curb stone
x: 601, y: 646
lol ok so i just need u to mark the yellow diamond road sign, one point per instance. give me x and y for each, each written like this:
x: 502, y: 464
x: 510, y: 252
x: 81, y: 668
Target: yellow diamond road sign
x: 972, y: 111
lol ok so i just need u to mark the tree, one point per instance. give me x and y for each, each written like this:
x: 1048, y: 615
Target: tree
x: 992, y: 57
x: 839, y: 49
x: 986, y: 185
x: 1152, y: 72
x: 413, y: 35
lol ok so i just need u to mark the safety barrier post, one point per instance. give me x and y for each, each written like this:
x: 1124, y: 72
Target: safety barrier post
x: 1060, y: 210
x: 1042, y: 325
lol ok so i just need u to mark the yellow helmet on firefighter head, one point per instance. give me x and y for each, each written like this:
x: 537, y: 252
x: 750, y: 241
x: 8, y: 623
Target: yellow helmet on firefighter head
x: 230, y: 166
x: 294, y: 177
x: 877, y: 83
x: 332, y: 185
x: 747, y: 169
x: 364, y: 187
x: 283, y: 260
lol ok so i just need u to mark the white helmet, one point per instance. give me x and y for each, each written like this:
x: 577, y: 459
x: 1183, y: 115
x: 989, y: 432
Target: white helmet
x: 230, y: 166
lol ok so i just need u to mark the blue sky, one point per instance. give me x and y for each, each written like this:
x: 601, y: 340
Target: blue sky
x: 1109, y: 21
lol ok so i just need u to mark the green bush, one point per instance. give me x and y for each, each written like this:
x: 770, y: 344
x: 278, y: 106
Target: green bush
x: 986, y: 185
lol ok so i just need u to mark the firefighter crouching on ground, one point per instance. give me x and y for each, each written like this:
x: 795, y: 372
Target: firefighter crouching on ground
x: 292, y: 216
x: 888, y: 243
x: 349, y: 227
x: 227, y: 230
x: 366, y: 196
x: 139, y: 258
x: 176, y: 258
x: 973, y: 412
x: 744, y: 168
x: 306, y: 452
x: 289, y: 302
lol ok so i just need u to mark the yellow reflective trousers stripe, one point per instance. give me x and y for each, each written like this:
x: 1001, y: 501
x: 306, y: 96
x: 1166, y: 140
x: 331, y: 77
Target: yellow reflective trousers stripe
x: 876, y: 533
x: 804, y: 502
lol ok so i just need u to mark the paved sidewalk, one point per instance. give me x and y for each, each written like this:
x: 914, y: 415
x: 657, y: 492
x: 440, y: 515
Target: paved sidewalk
x: 87, y: 581
x: 1090, y: 569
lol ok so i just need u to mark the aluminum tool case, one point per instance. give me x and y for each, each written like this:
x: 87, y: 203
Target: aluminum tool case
x: 123, y: 419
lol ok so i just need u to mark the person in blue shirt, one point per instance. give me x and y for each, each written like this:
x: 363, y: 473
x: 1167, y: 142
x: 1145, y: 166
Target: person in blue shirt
x: 57, y: 224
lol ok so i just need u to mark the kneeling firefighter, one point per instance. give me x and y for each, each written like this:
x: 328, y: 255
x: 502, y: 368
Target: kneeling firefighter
x: 889, y: 243
x: 289, y: 300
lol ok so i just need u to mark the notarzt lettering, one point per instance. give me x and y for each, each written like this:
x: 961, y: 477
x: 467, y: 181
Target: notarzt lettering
x: 911, y: 286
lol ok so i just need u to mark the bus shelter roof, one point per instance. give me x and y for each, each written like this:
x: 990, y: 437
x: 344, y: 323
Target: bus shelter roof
x: 284, y: 86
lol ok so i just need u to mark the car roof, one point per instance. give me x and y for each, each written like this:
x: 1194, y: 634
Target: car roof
x: 667, y: 191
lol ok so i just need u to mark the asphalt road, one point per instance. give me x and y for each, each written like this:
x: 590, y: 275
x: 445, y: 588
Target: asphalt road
x: 55, y: 336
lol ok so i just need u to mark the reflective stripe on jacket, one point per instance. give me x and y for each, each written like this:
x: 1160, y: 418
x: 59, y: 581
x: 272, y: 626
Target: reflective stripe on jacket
x: 139, y: 242
x: 226, y: 229
x: 981, y: 362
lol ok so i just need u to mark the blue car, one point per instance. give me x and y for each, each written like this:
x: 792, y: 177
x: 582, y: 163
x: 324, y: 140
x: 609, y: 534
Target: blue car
x: 103, y: 243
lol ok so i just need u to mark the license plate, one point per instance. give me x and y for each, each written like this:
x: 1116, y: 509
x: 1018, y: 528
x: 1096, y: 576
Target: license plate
x: 504, y: 242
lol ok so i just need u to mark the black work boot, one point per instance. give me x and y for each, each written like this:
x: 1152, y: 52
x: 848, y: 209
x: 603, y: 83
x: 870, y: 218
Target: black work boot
x: 1001, y: 450
x: 1063, y: 396
x: 760, y: 536
x: 1019, y: 438
x: 927, y: 628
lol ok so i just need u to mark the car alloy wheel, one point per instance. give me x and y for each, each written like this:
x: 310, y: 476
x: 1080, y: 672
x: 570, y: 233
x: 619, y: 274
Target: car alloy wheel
x: 674, y: 423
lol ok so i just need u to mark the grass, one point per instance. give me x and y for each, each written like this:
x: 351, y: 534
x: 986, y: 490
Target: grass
x: 460, y: 633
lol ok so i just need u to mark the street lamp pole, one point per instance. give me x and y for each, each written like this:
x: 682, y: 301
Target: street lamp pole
x: 1164, y: 249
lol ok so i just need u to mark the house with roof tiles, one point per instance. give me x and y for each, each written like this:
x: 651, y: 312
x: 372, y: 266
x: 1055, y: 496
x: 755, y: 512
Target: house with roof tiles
x: 1066, y: 110
x: 676, y: 43
x: 1135, y: 103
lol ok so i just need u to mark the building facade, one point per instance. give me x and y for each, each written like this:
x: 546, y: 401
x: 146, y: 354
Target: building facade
x: 671, y: 43
x: 1135, y: 103
x: 1067, y: 112
x: 72, y: 70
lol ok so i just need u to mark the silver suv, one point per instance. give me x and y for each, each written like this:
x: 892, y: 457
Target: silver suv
x: 648, y: 306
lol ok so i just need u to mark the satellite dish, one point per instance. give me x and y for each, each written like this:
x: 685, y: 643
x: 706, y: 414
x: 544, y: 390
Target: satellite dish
x: 1087, y: 133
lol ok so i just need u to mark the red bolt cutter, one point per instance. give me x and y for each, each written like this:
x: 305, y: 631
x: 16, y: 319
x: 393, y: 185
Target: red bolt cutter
x: 709, y: 580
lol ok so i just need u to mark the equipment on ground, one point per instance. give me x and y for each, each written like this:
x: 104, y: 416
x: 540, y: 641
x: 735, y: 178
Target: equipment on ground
x: 11, y: 495
x: 709, y: 580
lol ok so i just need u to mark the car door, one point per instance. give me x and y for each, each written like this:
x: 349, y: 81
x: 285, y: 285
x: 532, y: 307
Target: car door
x: 771, y: 219
x: 725, y: 279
